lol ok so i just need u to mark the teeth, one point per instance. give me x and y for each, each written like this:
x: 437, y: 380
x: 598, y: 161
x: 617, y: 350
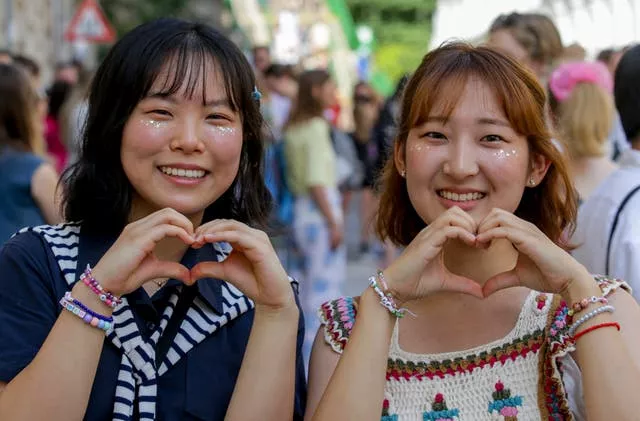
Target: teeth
x: 465, y: 197
x: 179, y: 172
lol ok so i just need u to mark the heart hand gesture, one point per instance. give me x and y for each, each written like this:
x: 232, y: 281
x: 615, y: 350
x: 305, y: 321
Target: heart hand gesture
x: 253, y: 266
x: 542, y: 265
x: 130, y: 262
x: 420, y: 270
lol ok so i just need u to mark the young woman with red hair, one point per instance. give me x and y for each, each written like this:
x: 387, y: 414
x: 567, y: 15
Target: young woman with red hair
x: 501, y: 322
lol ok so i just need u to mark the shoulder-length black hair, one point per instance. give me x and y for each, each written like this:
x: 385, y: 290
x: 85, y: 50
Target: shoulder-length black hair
x: 96, y: 189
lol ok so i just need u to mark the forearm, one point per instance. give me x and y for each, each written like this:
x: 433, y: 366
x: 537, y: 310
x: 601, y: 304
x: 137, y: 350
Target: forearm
x: 356, y: 389
x: 57, y: 383
x: 610, y: 377
x: 321, y: 199
x: 266, y: 382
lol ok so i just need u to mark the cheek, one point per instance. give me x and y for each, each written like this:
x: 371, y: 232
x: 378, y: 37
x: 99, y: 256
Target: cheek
x: 423, y: 159
x: 224, y: 143
x: 144, y: 138
x: 507, y: 166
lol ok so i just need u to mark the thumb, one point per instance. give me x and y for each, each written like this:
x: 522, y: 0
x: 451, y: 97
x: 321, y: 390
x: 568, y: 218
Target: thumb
x: 163, y: 269
x: 500, y: 281
x: 464, y: 285
x: 207, y: 270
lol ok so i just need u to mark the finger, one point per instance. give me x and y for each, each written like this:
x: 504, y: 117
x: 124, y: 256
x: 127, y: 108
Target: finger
x: 222, y: 225
x: 164, y: 269
x: 238, y: 239
x: 515, y: 236
x: 451, y: 233
x: 464, y: 285
x: 165, y: 216
x: 157, y: 233
x: 501, y: 281
x: 461, y: 216
x: 208, y: 270
x: 456, y: 217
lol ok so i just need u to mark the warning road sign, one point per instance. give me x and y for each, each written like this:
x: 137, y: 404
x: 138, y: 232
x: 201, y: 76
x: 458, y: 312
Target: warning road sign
x: 90, y: 24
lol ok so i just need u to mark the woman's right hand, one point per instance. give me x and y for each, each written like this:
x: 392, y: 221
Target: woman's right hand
x: 130, y: 262
x: 420, y: 270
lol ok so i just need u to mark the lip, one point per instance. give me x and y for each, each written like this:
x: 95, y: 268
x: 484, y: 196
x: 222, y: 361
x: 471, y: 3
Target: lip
x: 184, y: 167
x: 460, y: 190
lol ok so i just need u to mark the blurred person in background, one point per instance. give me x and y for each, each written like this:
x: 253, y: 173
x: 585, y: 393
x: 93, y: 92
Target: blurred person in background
x: 5, y: 56
x: 68, y: 71
x: 582, y: 110
x: 608, y: 230
x: 318, y: 224
x: 366, y: 109
x: 73, y: 116
x: 282, y: 87
x: 32, y: 68
x: 530, y: 38
x: 27, y: 181
x: 261, y: 57
x: 56, y: 145
x: 610, y: 57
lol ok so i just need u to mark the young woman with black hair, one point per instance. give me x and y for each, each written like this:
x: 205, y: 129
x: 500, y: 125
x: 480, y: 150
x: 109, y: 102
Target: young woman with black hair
x: 199, y: 315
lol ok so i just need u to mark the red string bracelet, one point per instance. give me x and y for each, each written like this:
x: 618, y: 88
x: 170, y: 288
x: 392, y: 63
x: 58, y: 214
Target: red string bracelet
x: 594, y: 327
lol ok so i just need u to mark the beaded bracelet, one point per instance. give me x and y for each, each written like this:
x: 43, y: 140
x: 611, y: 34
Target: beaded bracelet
x: 105, y: 296
x: 68, y: 297
x: 592, y: 328
x: 103, y: 323
x: 576, y: 324
x: 386, y: 299
x: 584, y: 303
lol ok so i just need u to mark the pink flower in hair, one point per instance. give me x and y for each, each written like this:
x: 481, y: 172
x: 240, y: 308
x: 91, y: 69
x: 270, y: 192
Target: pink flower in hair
x: 567, y: 75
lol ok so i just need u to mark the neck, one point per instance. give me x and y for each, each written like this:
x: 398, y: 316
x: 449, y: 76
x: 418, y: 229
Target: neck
x: 480, y: 264
x: 363, y: 131
x: 586, y: 163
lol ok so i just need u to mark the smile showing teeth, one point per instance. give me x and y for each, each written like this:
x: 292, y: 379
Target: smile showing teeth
x: 180, y: 172
x: 464, y: 197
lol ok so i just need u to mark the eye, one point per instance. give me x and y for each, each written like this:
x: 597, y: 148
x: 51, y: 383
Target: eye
x: 434, y: 135
x: 217, y: 117
x: 493, y: 138
x: 160, y: 112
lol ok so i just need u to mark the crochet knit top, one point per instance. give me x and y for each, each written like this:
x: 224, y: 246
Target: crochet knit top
x: 522, y: 376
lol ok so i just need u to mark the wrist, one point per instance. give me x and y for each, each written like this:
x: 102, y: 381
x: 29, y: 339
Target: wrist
x: 280, y: 313
x: 583, y: 285
x: 83, y: 294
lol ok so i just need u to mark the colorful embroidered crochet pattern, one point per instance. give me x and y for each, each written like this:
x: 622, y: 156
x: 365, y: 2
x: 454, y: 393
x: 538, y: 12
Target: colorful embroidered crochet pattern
x: 440, y: 412
x: 521, y: 347
x: 385, y: 412
x: 504, y: 404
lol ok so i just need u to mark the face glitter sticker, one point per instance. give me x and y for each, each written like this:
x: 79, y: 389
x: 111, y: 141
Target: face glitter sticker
x: 156, y: 124
x: 502, y: 154
x: 224, y: 131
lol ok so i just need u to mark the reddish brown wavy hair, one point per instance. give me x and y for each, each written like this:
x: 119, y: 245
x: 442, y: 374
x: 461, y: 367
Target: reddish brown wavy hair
x: 443, y: 74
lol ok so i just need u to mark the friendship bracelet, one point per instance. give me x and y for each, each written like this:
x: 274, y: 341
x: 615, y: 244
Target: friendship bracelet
x: 105, y: 296
x: 86, y: 317
x: 77, y: 303
x: 386, y: 299
x: 594, y: 327
x: 584, y: 303
x: 576, y: 324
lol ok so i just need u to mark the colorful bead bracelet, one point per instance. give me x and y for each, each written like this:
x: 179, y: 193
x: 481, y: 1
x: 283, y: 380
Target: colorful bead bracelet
x: 386, y: 299
x: 104, y: 295
x: 584, y: 303
x: 89, y: 317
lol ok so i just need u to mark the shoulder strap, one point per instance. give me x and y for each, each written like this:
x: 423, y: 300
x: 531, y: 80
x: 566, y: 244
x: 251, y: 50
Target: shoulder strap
x: 187, y: 296
x: 615, y: 224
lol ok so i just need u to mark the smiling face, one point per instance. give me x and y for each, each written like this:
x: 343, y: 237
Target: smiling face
x: 473, y: 159
x: 182, y: 150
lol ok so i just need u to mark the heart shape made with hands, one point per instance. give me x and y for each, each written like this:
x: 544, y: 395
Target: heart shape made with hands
x: 483, y: 289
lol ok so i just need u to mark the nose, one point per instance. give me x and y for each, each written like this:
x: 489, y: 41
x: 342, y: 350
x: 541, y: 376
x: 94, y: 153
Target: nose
x: 461, y: 161
x: 187, y: 138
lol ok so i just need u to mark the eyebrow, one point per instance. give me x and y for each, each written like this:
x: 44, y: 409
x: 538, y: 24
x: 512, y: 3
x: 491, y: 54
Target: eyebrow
x: 480, y: 121
x: 224, y: 102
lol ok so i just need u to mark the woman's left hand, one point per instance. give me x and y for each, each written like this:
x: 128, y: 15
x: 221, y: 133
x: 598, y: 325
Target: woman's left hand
x: 253, y: 266
x: 542, y: 265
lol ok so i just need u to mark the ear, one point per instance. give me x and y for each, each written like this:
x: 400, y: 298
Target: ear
x: 399, y: 157
x: 538, y: 168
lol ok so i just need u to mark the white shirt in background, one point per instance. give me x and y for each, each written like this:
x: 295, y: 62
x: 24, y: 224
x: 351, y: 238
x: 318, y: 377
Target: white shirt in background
x: 595, y: 221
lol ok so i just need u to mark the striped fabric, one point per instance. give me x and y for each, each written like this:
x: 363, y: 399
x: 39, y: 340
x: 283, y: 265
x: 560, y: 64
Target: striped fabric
x: 138, y: 375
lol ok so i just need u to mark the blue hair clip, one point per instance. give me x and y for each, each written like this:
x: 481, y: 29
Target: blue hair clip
x: 256, y: 94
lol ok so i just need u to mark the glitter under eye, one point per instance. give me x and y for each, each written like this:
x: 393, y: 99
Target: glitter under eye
x: 153, y: 123
x: 502, y: 154
x: 224, y: 131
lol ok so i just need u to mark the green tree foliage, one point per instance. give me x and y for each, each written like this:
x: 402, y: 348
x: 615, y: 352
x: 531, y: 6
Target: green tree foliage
x: 402, y: 30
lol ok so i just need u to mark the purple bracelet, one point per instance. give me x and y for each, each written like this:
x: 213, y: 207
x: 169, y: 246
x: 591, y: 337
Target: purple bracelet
x: 101, y: 323
x: 68, y: 297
